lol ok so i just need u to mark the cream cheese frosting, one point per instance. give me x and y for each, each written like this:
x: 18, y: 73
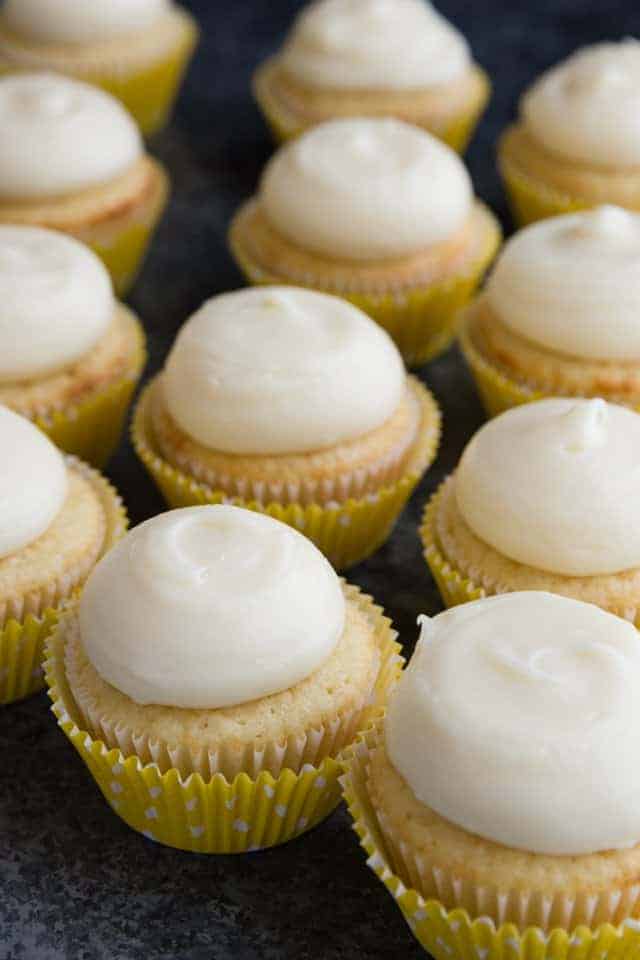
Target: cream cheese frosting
x: 587, y: 108
x: 60, y: 136
x: 518, y: 719
x: 281, y: 370
x: 374, y: 44
x: 210, y: 607
x: 554, y: 484
x: 56, y: 301
x: 81, y: 21
x: 572, y: 284
x: 366, y: 189
x: 33, y: 482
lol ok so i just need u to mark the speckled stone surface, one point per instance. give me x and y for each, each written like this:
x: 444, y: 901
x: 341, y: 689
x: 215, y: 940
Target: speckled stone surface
x: 75, y: 882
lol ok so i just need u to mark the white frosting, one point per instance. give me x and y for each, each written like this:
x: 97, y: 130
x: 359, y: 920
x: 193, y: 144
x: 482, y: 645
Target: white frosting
x: 374, y: 44
x: 572, y: 284
x: 81, y: 21
x: 33, y: 482
x: 60, y: 136
x: 366, y: 189
x: 56, y: 301
x: 210, y: 607
x: 518, y: 719
x: 587, y: 108
x: 554, y: 485
x: 279, y: 370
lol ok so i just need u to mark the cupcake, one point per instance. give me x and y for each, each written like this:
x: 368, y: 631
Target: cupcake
x: 497, y: 801
x: 576, y: 143
x: 544, y: 498
x: 560, y: 315
x: 378, y: 212
x: 70, y: 355
x: 72, y: 160
x: 57, y: 517
x: 137, y: 50
x: 389, y: 58
x: 296, y: 404
x: 211, y: 675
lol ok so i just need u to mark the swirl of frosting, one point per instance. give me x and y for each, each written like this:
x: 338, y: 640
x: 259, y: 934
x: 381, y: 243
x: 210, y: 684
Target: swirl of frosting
x: 518, y: 719
x: 33, y: 482
x: 554, y: 485
x: 374, y: 44
x: 61, y: 136
x: 56, y: 301
x: 326, y: 372
x: 598, y: 88
x: 70, y: 21
x: 210, y: 607
x: 572, y: 284
x: 366, y: 189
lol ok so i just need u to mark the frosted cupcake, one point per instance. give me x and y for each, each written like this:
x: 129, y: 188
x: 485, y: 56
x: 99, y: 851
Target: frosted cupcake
x: 544, y: 498
x: 363, y: 58
x: 70, y: 354
x: 552, y: 166
x: 297, y: 404
x: 72, y: 160
x: 378, y: 212
x: 560, y: 314
x: 136, y: 50
x: 223, y: 666
x: 57, y: 517
x: 498, y: 800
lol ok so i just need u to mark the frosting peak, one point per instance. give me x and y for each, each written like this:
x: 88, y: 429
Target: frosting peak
x: 553, y: 484
x: 366, y: 189
x: 88, y: 21
x: 503, y: 723
x: 210, y: 607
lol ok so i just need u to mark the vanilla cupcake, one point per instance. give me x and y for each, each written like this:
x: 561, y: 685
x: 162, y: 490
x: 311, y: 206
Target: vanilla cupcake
x: 136, y: 50
x: 378, y: 212
x: 498, y: 800
x: 560, y: 315
x: 57, y: 517
x: 297, y: 404
x: 216, y: 654
x: 544, y: 498
x: 363, y: 58
x: 70, y: 354
x: 72, y: 160
x: 577, y: 141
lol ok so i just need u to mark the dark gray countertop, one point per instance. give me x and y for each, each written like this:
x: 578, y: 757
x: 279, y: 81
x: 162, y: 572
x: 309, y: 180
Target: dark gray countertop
x: 75, y: 882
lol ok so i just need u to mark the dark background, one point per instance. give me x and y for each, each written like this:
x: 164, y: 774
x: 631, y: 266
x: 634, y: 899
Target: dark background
x: 75, y: 882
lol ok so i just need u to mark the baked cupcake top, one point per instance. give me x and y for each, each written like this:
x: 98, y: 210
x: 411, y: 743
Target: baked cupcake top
x: 210, y: 607
x: 554, y: 484
x: 68, y: 21
x: 572, y: 284
x: 374, y: 44
x: 61, y: 136
x: 56, y: 302
x: 598, y: 90
x: 366, y: 189
x: 33, y: 482
x: 518, y: 719
x: 275, y: 370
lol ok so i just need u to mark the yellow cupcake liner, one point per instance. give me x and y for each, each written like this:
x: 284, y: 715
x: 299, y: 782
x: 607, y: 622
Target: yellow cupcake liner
x: 532, y: 200
x: 345, y: 532
x: 215, y: 815
x: 452, y: 934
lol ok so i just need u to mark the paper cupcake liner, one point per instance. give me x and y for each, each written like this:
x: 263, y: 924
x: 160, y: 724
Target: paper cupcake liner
x: 454, y: 932
x: 26, y: 622
x: 532, y: 200
x: 217, y: 815
x: 345, y: 532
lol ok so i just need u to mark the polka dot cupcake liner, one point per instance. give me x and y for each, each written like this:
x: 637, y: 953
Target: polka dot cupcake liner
x: 214, y: 814
x: 455, y: 933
